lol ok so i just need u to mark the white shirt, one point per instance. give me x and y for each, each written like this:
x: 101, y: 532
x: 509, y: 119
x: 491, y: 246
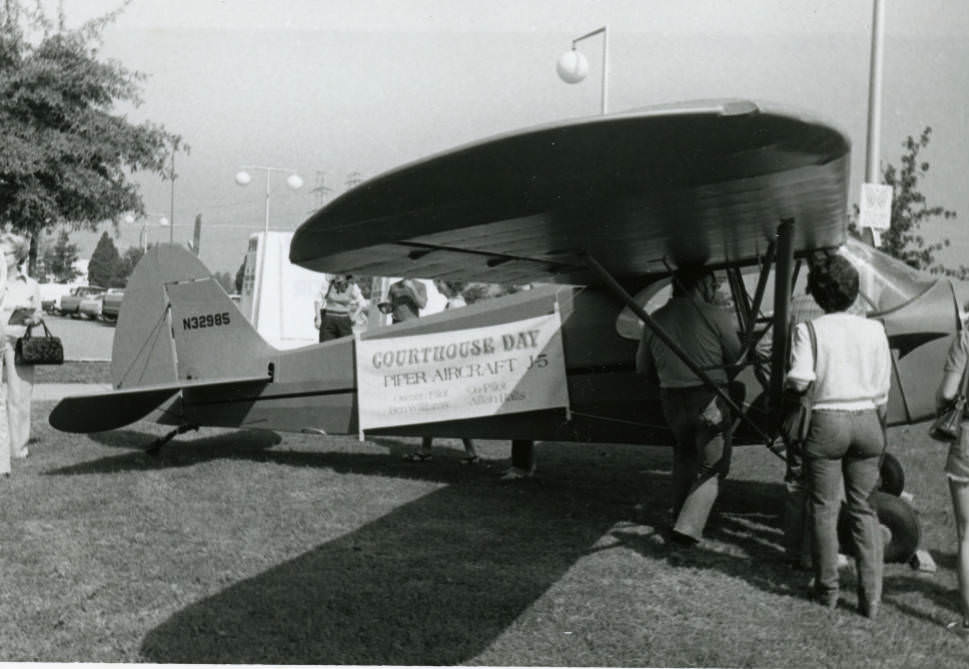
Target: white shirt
x: 854, y: 366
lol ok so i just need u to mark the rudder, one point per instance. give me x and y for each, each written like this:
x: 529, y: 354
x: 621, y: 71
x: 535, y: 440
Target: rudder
x: 151, y: 345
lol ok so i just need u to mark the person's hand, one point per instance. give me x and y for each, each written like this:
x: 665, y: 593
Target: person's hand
x: 317, y: 322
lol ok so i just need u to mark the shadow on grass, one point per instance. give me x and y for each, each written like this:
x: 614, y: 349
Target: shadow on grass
x: 434, y: 583
x: 929, y: 588
x: 439, y: 579
x: 255, y: 445
x: 747, y: 517
x: 248, y: 444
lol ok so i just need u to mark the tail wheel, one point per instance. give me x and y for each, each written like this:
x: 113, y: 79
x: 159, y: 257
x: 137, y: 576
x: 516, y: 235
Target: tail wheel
x: 899, y: 525
x: 892, y: 475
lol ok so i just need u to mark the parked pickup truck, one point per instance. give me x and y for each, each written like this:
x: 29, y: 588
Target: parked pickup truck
x: 111, y: 304
x: 69, y: 305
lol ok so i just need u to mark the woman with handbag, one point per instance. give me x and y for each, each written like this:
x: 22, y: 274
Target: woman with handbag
x: 22, y: 302
x: 851, y: 373
x: 951, y: 396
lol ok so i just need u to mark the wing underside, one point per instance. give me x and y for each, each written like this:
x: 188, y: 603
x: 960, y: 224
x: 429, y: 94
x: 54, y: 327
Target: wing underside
x: 640, y: 191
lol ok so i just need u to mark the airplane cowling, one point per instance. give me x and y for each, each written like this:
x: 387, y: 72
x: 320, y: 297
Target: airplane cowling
x: 919, y: 334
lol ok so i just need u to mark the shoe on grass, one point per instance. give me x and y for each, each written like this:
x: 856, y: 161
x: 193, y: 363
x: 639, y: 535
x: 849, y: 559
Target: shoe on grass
x: 959, y: 628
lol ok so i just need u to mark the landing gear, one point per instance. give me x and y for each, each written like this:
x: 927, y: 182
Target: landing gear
x: 899, y: 526
x: 156, y: 445
x: 892, y: 475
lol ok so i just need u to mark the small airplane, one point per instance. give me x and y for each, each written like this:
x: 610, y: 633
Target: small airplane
x: 600, y: 211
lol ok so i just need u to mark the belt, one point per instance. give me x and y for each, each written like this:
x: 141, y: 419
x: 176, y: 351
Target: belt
x: 327, y: 312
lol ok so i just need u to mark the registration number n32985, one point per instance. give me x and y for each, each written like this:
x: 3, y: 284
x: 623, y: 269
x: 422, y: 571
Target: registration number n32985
x: 205, y: 321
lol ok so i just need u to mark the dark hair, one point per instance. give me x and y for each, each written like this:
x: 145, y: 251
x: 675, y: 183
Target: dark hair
x: 833, y: 283
x: 688, y: 277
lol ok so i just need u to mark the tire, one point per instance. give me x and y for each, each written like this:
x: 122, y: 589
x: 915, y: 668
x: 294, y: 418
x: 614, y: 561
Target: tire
x: 899, y: 524
x: 892, y: 475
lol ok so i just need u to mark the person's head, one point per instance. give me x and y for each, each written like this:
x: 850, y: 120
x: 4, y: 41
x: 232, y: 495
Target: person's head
x: 695, y: 280
x: 833, y: 283
x: 341, y: 281
x: 15, y: 248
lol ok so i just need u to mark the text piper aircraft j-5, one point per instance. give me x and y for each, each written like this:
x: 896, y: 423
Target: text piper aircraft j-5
x: 596, y: 213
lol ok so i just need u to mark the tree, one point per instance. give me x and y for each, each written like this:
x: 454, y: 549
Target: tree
x: 60, y: 258
x: 240, y: 276
x: 903, y: 239
x: 225, y: 280
x: 67, y: 157
x: 105, y: 267
x: 132, y: 256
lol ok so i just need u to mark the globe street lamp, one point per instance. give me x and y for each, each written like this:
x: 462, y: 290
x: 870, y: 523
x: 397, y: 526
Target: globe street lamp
x: 573, y: 66
x: 143, y: 237
x: 294, y: 181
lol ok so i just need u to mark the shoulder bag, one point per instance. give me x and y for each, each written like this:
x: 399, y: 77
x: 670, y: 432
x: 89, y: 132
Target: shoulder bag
x: 796, y: 406
x: 31, y: 350
x: 948, y: 426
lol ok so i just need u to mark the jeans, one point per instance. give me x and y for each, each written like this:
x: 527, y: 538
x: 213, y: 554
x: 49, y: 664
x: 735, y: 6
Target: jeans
x: 701, y: 457
x: 845, y: 444
x: 334, y: 326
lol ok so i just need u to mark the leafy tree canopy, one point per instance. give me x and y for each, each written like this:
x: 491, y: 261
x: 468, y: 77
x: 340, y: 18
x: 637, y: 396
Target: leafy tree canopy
x: 66, y: 155
x: 910, y: 210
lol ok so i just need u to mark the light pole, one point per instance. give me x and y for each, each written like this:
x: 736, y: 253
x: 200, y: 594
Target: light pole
x: 294, y: 181
x: 143, y: 237
x: 573, y: 66
x: 873, y: 134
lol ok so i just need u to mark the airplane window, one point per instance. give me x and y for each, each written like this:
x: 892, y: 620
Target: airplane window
x: 885, y: 282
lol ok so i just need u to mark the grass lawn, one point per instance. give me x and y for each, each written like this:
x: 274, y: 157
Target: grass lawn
x: 74, y: 372
x: 249, y: 547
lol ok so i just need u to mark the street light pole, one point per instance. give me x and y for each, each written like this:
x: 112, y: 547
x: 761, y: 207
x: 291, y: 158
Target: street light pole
x: 873, y: 138
x: 171, y: 206
x: 294, y: 181
x: 573, y: 66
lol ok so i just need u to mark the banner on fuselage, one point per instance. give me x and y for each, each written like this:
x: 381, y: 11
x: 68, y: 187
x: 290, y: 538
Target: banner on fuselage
x: 485, y: 371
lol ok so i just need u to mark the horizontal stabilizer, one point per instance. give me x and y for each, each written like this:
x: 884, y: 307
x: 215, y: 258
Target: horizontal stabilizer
x: 115, y: 409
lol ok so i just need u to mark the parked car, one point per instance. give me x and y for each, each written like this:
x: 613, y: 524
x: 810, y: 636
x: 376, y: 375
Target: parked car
x: 90, y: 306
x: 111, y: 304
x: 70, y: 304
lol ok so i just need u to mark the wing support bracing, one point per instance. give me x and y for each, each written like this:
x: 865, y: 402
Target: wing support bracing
x: 613, y: 285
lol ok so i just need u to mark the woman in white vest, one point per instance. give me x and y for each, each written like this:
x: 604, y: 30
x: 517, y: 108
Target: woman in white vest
x: 846, y: 437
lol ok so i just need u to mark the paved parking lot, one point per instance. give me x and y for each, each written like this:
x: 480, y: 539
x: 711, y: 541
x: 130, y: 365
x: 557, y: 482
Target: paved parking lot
x: 83, y: 340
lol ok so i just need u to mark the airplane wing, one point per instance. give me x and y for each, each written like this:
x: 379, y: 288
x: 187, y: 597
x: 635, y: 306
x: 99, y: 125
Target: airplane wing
x: 695, y: 182
x: 115, y: 409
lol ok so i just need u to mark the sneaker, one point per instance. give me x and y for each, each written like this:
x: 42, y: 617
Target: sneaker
x: 959, y: 628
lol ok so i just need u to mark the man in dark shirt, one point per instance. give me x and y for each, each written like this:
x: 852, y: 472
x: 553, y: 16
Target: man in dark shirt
x: 699, y: 419
x: 406, y: 298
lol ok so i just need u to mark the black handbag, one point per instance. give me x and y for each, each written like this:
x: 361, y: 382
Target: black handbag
x: 947, y: 426
x: 796, y: 406
x: 31, y: 350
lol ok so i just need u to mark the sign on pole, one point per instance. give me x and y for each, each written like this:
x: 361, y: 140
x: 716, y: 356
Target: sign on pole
x: 486, y: 371
x: 876, y: 208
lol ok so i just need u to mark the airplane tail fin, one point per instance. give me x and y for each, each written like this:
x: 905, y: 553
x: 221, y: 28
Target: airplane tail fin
x: 177, y: 324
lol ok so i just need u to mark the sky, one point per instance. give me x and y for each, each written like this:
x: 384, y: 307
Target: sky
x: 334, y: 89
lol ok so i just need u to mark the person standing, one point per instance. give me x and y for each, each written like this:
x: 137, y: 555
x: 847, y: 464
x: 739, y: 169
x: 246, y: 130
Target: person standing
x: 957, y: 472
x: 405, y: 299
x: 846, y: 436
x: 699, y: 418
x: 337, y: 307
x: 19, y: 292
